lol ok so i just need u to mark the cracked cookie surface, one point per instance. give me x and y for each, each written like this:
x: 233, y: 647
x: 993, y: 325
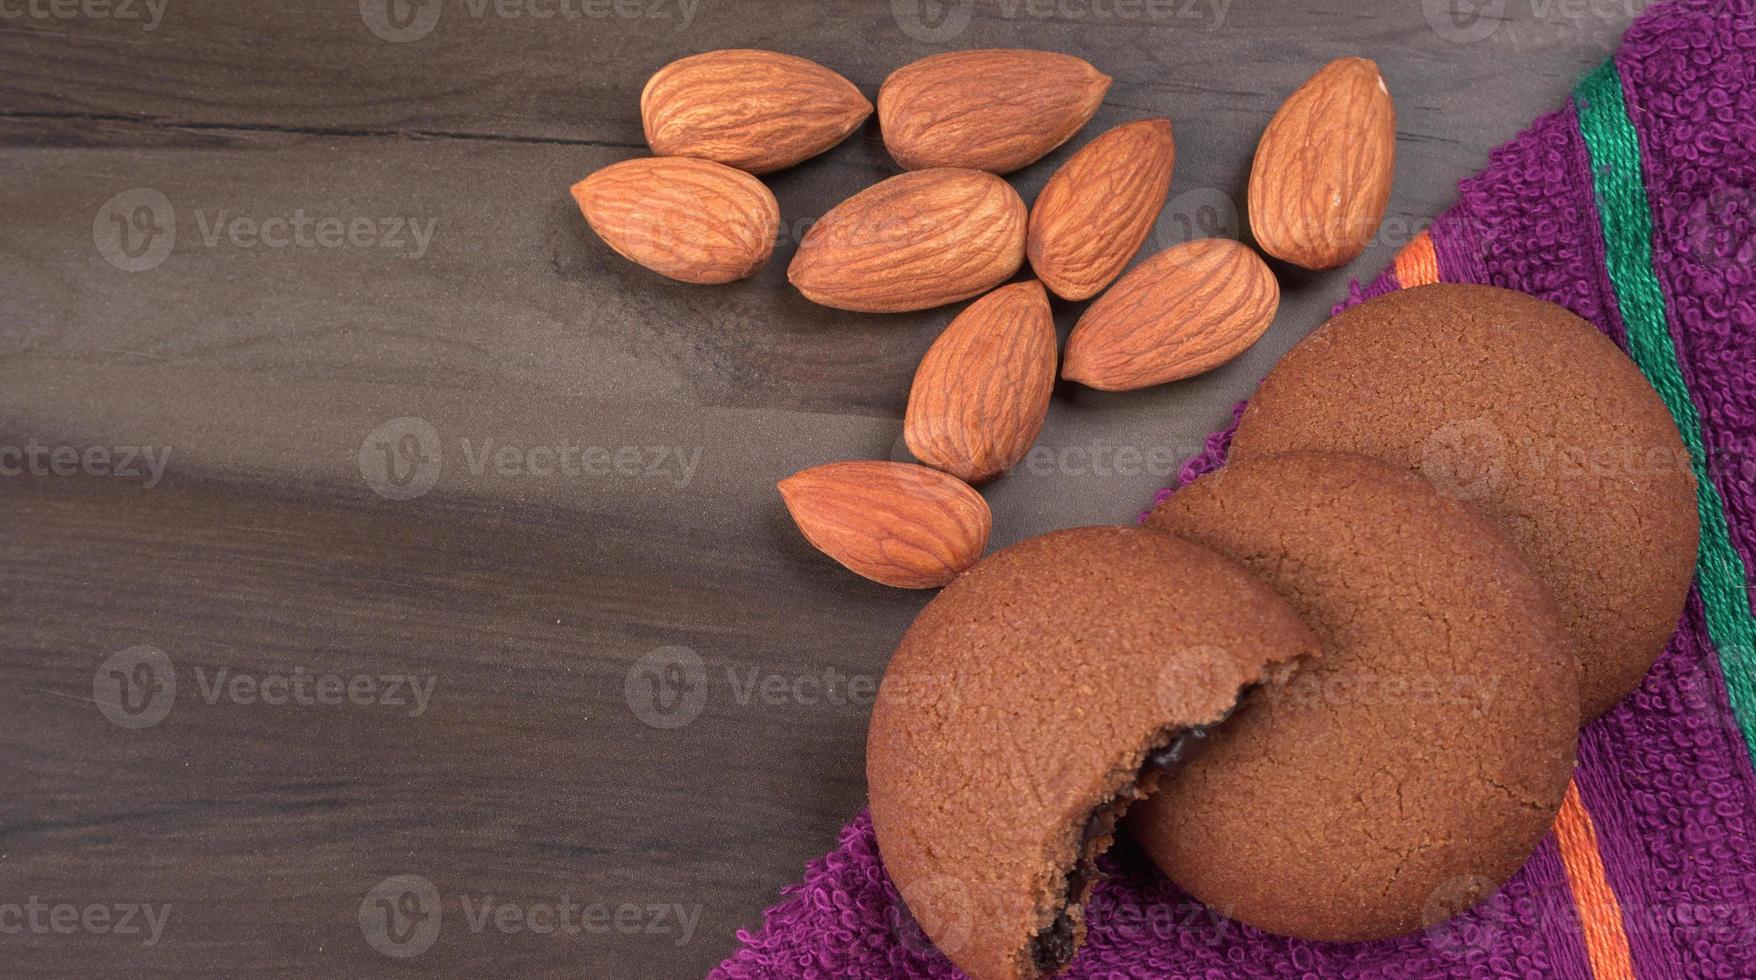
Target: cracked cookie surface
x: 1535, y: 419
x: 1047, y: 685
x: 1433, y: 739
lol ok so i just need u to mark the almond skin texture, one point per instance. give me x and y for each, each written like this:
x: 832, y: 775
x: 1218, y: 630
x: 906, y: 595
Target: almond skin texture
x: 1188, y: 309
x: 692, y: 220
x: 1093, y: 214
x: 1321, y: 180
x: 758, y: 111
x: 995, y: 109
x: 913, y: 242
x: 894, y: 523
x: 982, y: 391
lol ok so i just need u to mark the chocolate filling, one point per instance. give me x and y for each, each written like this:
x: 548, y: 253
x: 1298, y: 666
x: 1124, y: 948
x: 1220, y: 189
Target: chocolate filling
x: 1053, y: 947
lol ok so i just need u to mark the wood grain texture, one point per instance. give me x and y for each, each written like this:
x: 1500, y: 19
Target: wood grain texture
x: 534, y: 598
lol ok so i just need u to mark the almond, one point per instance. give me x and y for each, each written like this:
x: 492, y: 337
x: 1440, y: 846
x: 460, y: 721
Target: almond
x: 1321, y: 180
x: 996, y: 110
x: 982, y: 391
x: 894, y: 523
x: 1188, y: 309
x: 912, y: 242
x: 1093, y: 214
x: 693, y: 220
x: 758, y: 111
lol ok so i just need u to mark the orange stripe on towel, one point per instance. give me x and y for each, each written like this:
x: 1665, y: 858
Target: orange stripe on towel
x: 1418, y: 263
x: 1600, y: 914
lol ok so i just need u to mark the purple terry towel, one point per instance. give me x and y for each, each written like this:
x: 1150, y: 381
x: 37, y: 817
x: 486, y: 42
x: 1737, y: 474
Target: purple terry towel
x: 1635, y: 207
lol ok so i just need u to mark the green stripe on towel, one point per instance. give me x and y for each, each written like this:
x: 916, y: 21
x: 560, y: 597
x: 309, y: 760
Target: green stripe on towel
x: 1626, y: 216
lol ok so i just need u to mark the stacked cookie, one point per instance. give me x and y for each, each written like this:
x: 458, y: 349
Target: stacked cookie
x: 1456, y: 525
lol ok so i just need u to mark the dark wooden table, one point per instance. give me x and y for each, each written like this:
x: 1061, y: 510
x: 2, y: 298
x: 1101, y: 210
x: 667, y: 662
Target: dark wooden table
x: 251, y: 684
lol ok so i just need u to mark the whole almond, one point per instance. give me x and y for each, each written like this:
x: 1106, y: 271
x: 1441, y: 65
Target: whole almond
x: 1093, y: 214
x: 982, y: 391
x: 915, y: 241
x: 994, y: 109
x: 693, y: 220
x: 1188, y: 309
x: 758, y: 111
x: 1321, y: 179
x: 894, y: 523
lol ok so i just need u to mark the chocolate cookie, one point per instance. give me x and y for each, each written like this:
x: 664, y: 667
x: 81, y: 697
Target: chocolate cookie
x: 1031, y: 702
x: 1430, y: 743
x: 1533, y: 417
